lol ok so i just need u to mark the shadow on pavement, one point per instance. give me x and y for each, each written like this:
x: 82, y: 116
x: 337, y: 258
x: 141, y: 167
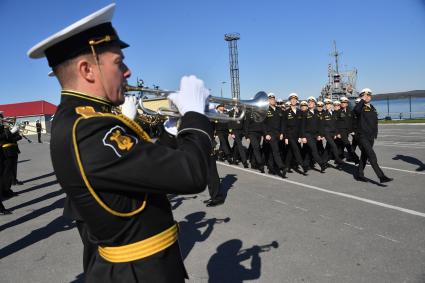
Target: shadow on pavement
x: 36, y: 187
x: 177, y: 200
x: 36, y: 213
x: 352, y: 170
x: 190, y: 232
x: 411, y: 160
x: 42, y: 198
x: 78, y: 279
x: 57, y: 225
x: 226, y: 183
x: 24, y: 160
x: 226, y: 264
x: 39, y: 177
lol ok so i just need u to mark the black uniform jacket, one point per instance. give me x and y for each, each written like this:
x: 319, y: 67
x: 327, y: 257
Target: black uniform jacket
x: 273, y: 121
x: 251, y: 126
x: 236, y: 127
x: 312, y: 123
x: 344, y: 120
x: 117, y: 181
x: 328, y: 123
x: 367, y: 119
x: 293, y: 124
x: 9, y: 144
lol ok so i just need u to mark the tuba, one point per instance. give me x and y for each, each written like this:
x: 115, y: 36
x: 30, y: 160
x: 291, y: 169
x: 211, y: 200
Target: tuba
x: 161, y: 106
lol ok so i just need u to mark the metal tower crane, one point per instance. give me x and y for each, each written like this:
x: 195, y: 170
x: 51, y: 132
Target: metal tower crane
x: 232, y: 39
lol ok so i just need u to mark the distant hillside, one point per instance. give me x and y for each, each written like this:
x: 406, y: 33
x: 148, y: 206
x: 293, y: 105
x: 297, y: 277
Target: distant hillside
x: 399, y: 95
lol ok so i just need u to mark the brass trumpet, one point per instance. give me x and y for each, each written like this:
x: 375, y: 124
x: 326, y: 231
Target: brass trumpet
x: 161, y: 106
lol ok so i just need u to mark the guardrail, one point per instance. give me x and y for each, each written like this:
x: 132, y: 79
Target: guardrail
x: 400, y: 115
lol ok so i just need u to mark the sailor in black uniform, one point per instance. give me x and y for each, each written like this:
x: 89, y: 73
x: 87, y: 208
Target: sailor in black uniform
x: 254, y: 131
x: 312, y: 134
x: 273, y: 136
x: 293, y: 125
x: 329, y: 132
x: 367, y: 132
x: 115, y: 178
x: 236, y: 130
x: 221, y: 130
x: 345, y: 127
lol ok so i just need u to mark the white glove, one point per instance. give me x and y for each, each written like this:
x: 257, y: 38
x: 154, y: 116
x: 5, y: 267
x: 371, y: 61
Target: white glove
x: 14, y: 129
x: 129, y: 107
x: 191, y: 96
x: 171, y: 126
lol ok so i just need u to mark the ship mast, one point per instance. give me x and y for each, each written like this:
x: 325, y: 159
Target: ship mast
x: 336, y: 55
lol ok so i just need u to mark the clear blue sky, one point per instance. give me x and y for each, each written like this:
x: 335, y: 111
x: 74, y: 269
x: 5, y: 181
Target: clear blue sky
x: 284, y: 45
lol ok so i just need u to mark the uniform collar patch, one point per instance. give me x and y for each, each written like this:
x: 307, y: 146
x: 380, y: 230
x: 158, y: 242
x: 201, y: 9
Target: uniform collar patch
x: 118, y: 139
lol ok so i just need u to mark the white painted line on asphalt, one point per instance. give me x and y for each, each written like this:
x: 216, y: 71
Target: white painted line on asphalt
x: 401, y: 124
x: 260, y: 195
x: 398, y: 145
x: 387, y: 238
x: 395, y: 169
x: 354, y: 226
x: 377, y: 203
x: 301, y: 208
x: 279, y: 201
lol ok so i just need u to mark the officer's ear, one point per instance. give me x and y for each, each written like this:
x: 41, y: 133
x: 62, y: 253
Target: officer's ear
x: 86, y: 68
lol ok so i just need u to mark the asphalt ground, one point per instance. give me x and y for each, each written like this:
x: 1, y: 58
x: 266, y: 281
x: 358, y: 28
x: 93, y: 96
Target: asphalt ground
x: 316, y: 228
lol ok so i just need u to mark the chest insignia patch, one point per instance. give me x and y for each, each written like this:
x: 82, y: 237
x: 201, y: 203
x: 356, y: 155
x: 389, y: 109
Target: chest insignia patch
x: 121, y: 142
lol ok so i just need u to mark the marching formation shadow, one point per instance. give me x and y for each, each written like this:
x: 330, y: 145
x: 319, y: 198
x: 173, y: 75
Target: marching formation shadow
x: 190, y: 230
x: 177, y: 200
x: 34, y: 214
x: 226, y: 183
x: 39, y: 199
x: 411, y: 160
x: 352, y: 170
x: 57, y: 225
x: 24, y: 160
x: 39, y: 177
x: 36, y: 187
x: 226, y: 264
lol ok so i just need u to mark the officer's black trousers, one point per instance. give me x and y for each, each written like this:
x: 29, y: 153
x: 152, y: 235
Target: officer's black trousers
x: 354, y: 143
x: 347, y: 144
x: 224, y: 143
x: 213, y: 180
x: 239, y: 146
x: 366, y: 147
x: 293, y: 152
x: 274, y: 156
x: 254, y: 140
x: 7, y: 176
x: 1, y: 182
x: 312, y: 148
x: 330, y: 148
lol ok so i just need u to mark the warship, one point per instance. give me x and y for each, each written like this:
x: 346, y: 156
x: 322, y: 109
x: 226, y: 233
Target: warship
x: 340, y: 83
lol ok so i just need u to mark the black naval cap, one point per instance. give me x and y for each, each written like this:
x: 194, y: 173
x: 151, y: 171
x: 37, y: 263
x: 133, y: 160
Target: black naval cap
x: 78, y: 38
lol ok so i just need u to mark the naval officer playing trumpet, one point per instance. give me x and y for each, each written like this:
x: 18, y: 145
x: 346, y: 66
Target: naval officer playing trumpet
x: 115, y: 179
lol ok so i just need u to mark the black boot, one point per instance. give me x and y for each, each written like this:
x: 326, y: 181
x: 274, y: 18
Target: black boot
x: 361, y: 178
x: 385, y: 179
x: 322, y: 167
x: 245, y: 164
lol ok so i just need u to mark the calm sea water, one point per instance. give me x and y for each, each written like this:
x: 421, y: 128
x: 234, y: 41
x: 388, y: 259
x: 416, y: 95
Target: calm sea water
x: 398, y: 106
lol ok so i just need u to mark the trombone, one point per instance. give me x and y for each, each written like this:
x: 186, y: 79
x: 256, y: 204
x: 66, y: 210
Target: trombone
x: 257, y: 105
